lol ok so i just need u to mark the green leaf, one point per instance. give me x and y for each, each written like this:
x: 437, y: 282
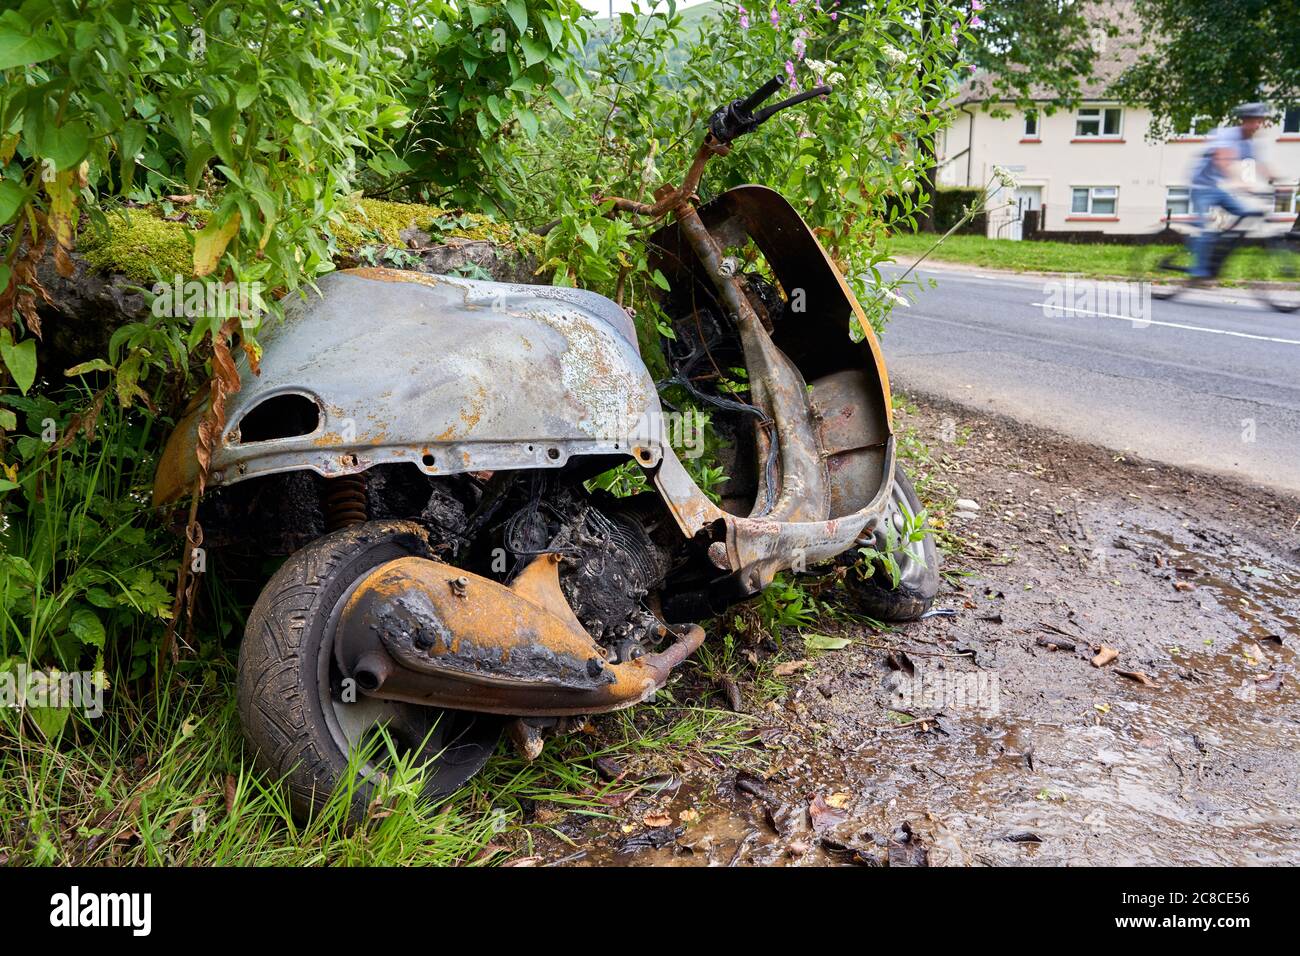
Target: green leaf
x: 823, y: 642
x: 20, y: 359
x: 560, y: 102
x: 8, y: 421
x: 87, y: 627
x: 66, y: 145
x: 518, y: 10
x: 94, y: 365
x: 528, y: 120
x: 18, y: 45
x: 221, y: 122
x: 554, y: 30
x: 12, y: 198
x: 534, y: 52
x: 50, y: 720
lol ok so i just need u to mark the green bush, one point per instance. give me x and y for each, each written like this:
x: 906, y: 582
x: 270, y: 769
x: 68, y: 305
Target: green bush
x: 258, y: 124
x: 949, y: 207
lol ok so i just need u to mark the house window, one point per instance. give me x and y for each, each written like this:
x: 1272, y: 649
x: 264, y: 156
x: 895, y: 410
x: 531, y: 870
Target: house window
x: 1178, y: 200
x: 1098, y: 121
x: 1195, y: 129
x: 1291, y: 120
x: 1286, y: 201
x: 1031, y: 124
x: 1094, y: 200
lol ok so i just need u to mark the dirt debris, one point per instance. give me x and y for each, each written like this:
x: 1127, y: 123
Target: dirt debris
x: 986, y: 738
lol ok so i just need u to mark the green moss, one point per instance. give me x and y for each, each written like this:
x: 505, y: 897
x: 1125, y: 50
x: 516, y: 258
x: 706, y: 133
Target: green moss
x: 369, y: 220
x: 135, y: 242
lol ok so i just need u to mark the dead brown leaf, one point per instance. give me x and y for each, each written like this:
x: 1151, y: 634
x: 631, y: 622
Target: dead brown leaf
x: 1138, y: 676
x: 1104, y: 656
x: 823, y: 816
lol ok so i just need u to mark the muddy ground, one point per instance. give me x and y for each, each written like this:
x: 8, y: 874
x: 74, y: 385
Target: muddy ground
x: 983, y: 738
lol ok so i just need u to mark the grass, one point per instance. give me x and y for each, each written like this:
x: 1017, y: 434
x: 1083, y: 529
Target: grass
x: 1084, y: 259
x: 167, y: 782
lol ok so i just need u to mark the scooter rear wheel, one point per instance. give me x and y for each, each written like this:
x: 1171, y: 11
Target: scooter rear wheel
x: 292, y: 702
x: 918, y: 567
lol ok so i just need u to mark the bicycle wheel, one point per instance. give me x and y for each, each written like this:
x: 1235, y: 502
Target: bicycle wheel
x: 1164, y: 268
x: 1280, y: 288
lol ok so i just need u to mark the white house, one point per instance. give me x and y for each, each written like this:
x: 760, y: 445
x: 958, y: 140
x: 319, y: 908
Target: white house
x: 1092, y: 168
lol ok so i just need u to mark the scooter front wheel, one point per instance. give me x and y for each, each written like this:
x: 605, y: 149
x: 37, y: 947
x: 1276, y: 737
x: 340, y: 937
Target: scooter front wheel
x: 918, y: 566
x: 300, y: 717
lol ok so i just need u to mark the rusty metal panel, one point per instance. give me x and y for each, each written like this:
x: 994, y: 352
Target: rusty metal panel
x: 430, y: 633
x: 852, y: 440
x: 451, y: 374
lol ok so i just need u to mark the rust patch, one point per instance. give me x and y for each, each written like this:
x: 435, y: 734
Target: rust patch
x: 429, y: 632
x: 380, y: 274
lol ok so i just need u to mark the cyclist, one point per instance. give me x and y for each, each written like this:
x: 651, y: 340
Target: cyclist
x: 1228, y: 146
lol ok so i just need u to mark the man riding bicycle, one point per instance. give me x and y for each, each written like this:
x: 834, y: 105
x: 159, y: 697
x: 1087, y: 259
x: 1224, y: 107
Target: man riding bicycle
x: 1229, y: 146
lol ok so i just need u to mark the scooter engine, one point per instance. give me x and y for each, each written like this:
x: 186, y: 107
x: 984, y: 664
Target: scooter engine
x: 610, y: 565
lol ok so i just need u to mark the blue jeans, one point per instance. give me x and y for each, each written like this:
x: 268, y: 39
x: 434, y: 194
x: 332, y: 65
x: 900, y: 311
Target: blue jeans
x: 1205, y: 199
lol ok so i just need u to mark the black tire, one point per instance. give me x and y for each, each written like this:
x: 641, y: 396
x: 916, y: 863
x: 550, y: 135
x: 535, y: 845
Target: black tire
x: 289, y: 686
x: 1165, y: 272
x: 1281, y: 289
x: 918, y: 580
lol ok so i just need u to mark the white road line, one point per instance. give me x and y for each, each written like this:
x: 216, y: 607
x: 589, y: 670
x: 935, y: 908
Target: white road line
x: 1170, y: 325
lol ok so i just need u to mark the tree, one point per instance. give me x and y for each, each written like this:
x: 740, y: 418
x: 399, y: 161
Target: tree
x: 1027, y: 50
x: 1207, y: 56
x: 1023, y: 50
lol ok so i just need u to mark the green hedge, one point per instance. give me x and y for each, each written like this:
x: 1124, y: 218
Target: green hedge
x: 948, y: 206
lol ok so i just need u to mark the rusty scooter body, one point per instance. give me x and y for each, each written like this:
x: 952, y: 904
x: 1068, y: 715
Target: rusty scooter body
x: 421, y: 450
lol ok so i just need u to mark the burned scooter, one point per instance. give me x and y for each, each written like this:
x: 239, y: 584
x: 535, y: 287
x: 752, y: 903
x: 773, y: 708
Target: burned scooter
x: 421, y: 448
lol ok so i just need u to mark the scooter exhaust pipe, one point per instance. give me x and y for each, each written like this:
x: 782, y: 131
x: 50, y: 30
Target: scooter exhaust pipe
x: 372, y: 670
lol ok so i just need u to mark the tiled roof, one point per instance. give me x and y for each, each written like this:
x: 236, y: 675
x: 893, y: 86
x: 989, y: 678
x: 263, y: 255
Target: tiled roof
x: 1116, y: 55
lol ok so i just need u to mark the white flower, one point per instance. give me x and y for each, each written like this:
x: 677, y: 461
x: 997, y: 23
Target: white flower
x: 1005, y: 177
x: 893, y: 54
x: 888, y: 292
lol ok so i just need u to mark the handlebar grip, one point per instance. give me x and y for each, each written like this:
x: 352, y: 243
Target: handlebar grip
x: 765, y: 114
x: 759, y: 95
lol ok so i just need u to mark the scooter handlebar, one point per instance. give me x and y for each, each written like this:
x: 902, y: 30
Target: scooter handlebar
x: 764, y: 92
x: 738, y: 117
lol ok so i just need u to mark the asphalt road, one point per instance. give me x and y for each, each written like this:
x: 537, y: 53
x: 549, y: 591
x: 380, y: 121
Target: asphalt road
x: 1209, y: 381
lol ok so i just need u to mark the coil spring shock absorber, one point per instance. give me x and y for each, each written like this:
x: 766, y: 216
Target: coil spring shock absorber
x: 345, y: 501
